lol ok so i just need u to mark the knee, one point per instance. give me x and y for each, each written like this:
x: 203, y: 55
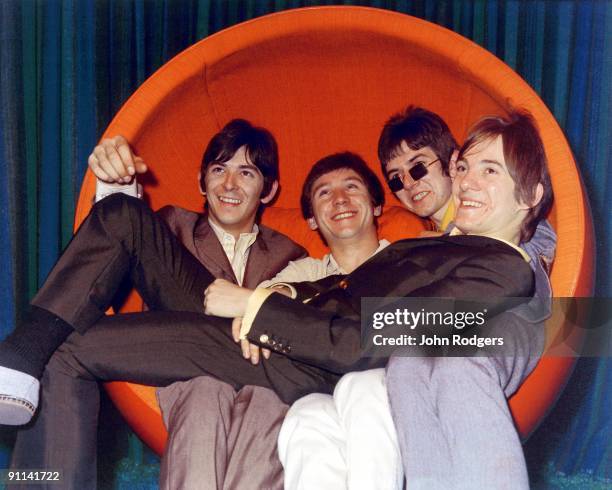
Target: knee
x: 360, y: 390
x: 191, y: 398
x: 306, y: 417
x: 118, y: 208
x: 306, y: 409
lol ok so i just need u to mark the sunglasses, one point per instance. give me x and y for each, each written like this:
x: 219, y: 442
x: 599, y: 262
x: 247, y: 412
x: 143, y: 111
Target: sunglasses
x: 417, y: 172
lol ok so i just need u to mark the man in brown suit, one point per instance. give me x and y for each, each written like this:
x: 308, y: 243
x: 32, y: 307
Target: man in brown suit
x: 239, y: 173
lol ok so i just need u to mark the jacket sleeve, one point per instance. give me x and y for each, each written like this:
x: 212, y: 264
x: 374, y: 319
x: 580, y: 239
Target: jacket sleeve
x: 332, y: 341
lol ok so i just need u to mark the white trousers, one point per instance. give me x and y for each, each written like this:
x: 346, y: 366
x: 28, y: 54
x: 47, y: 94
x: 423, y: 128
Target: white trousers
x: 347, y: 441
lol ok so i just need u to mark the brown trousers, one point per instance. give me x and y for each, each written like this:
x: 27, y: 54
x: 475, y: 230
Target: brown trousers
x: 220, y: 438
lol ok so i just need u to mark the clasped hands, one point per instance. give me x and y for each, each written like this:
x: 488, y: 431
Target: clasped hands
x: 226, y: 299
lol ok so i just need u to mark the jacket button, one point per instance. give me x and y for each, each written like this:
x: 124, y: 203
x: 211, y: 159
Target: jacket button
x: 264, y: 338
x: 343, y: 284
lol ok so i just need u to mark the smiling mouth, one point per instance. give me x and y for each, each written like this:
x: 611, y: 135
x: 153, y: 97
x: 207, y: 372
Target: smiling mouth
x: 229, y: 200
x: 470, y: 204
x: 420, y: 196
x: 344, y: 215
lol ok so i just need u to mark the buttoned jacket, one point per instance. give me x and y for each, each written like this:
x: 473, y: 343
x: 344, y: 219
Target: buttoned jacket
x: 325, y: 331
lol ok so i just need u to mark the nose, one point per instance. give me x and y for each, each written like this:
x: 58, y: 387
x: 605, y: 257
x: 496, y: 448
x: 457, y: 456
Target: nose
x: 229, y: 181
x: 469, y: 180
x: 407, y: 180
x: 340, y: 197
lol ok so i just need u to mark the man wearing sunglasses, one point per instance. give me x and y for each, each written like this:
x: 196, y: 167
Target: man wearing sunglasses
x: 414, y: 149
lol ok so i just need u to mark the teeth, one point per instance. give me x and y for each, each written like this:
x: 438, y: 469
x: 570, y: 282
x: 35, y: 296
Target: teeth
x: 229, y: 200
x: 420, y: 196
x: 340, y: 216
x: 472, y: 204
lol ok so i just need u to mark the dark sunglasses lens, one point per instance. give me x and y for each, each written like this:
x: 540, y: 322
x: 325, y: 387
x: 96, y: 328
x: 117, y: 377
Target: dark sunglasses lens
x: 418, y: 171
x: 396, y: 184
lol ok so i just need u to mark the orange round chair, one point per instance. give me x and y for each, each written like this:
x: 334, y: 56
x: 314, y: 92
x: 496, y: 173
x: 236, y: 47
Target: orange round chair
x: 324, y: 80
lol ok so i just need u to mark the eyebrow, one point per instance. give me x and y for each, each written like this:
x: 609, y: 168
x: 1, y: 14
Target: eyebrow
x: 242, y: 166
x: 418, y: 155
x: 492, y: 162
x: 347, y: 179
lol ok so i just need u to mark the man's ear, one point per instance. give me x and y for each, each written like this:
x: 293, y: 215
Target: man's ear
x: 271, y: 194
x: 452, y: 164
x: 312, y: 224
x: 202, y: 191
x: 539, y: 193
x: 378, y: 210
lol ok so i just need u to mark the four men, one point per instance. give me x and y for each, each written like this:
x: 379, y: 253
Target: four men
x: 317, y: 331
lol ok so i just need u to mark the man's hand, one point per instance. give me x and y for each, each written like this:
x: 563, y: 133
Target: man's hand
x: 113, y: 161
x: 249, y: 351
x: 226, y: 299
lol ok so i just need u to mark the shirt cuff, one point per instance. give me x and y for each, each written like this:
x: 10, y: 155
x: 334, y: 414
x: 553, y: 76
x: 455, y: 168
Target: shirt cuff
x: 104, y: 189
x: 290, y: 287
x: 252, y: 308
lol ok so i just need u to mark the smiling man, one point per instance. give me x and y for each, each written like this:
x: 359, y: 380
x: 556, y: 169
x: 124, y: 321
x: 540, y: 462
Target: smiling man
x: 454, y: 426
x: 239, y: 173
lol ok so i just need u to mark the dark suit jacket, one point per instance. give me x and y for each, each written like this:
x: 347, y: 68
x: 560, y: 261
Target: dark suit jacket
x: 270, y: 253
x: 326, y: 332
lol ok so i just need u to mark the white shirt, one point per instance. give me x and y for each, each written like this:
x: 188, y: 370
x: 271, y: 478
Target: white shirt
x: 237, y: 251
x: 309, y: 269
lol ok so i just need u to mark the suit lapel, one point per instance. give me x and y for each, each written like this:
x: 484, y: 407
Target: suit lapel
x: 210, y: 252
x: 258, y: 263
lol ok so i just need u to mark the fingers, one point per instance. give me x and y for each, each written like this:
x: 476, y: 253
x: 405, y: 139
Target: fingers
x: 266, y: 353
x: 236, y: 324
x: 245, y: 348
x: 113, y: 161
x: 254, y: 351
x: 140, y: 165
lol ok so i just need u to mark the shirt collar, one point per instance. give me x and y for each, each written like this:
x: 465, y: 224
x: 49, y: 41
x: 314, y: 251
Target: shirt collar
x: 449, y: 214
x: 456, y: 231
x: 223, y: 235
x: 332, y: 266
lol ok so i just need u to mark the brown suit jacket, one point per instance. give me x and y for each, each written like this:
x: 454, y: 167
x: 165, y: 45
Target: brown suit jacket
x: 270, y: 253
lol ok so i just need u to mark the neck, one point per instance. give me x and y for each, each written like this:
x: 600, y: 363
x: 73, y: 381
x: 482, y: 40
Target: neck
x: 233, y: 229
x: 438, y: 216
x: 351, y: 253
x: 508, y: 235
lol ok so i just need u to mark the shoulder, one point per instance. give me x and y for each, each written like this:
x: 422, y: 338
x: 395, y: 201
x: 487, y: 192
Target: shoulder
x: 280, y: 244
x: 178, y: 218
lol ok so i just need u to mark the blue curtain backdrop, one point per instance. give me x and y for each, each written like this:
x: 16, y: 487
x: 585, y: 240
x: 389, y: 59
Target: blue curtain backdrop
x: 67, y: 66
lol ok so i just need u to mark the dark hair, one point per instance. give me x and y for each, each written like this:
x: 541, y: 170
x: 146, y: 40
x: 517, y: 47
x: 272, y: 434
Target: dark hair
x: 419, y: 128
x: 339, y: 161
x: 261, y: 150
x: 525, y: 158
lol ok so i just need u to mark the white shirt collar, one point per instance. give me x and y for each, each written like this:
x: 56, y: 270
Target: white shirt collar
x: 333, y: 267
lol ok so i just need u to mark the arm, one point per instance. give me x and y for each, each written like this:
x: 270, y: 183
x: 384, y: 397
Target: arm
x: 332, y: 341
